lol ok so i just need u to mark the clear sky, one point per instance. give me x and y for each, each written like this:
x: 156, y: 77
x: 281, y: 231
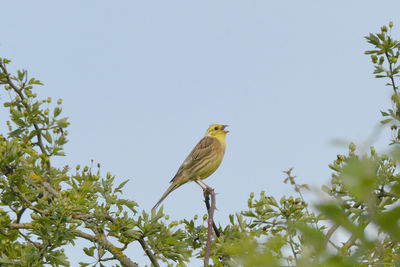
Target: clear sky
x: 142, y: 80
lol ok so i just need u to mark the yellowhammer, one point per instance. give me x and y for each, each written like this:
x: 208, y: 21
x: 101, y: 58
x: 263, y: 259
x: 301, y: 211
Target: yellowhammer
x: 202, y: 161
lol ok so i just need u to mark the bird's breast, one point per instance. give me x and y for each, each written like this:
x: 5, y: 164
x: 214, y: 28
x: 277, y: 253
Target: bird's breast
x: 210, y: 163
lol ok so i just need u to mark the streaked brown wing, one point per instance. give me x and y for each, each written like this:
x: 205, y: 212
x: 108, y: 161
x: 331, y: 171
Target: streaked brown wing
x: 201, y: 150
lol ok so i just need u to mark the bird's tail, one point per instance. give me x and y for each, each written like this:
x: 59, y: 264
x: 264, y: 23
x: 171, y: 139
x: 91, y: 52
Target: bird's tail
x: 171, y: 188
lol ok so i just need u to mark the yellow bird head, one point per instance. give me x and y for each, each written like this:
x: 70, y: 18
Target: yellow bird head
x: 217, y: 130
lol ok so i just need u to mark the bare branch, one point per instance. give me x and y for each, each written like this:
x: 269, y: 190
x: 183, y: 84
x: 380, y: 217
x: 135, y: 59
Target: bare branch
x: 207, y: 192
x: 207, y: 201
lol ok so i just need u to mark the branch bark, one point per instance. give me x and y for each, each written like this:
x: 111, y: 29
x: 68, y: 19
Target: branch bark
x: 207, y: 201
x: 336, y: 226
x: 209, y: 191
x: 149, y: 253
x: 102, y: 241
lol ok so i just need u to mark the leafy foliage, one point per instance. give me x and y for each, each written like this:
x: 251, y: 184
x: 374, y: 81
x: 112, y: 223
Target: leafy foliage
x: 44, y: 208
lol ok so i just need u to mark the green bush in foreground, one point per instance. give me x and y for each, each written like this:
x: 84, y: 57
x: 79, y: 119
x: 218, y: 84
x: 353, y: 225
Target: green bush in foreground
x: 44, y: 208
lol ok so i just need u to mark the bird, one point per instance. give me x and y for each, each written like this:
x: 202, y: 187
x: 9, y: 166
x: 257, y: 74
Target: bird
x: 204, y: 159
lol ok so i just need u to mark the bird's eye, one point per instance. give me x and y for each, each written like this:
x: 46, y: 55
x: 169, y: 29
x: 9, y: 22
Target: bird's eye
x: 216, y: 128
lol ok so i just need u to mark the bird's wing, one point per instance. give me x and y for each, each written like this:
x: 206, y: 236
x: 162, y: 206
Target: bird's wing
x: 201, y: 150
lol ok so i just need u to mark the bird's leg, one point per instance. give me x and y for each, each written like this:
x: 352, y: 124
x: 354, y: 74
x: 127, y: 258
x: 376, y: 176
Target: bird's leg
x: 196, y: 181
x: 206, y: 191
x: 205, y: 185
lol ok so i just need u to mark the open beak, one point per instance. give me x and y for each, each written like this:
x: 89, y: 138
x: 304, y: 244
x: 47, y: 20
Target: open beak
x: 223, y: 128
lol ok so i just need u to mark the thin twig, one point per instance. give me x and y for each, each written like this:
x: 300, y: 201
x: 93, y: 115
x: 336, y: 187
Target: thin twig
x: 50, y: 189
x: 26, y: 201
x: 292, y: 248
x: 20, y: 213
x: 207, y: 201
x: 331, y: 231
x: 336, y: 226
x: 20, y: 225
x: 108, y: 259
x: 209, y: 191
x: 334, y: 245
x: 27, y: 238
x: 391, y: 73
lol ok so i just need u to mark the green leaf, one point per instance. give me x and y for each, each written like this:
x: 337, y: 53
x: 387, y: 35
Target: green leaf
x: 33, y: 133
x: 369, y: 52
x: 385, y: 121
x: 59, y: 153
x: 19, y: 122
x: 379, y: 69
x: 372, y: 39
x: 62, y: 123
x: 133, y: 234
x: 272, y: 201
x: 34, y: 81
x: 61, y: 140
x: 89, y: 251
x: 384, y: 114
x: 389, y: 222
x: 16, y: 113
x: 57, y: 111
x: 16, y: 132
x: 232, y: 219
x: 380, y: 76
x: 130, y: 204
x: 118, y: 188
x: 21, y: 74
x: 47, y: 136
x: 61, y: 259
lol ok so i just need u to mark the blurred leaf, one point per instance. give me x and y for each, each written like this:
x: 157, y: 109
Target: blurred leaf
x: 313, y: 237
x: 390, y: 221
x: 333, y: 212
x: 359, y: 177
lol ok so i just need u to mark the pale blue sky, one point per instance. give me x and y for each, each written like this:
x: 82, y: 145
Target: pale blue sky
x: 142, y: 80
